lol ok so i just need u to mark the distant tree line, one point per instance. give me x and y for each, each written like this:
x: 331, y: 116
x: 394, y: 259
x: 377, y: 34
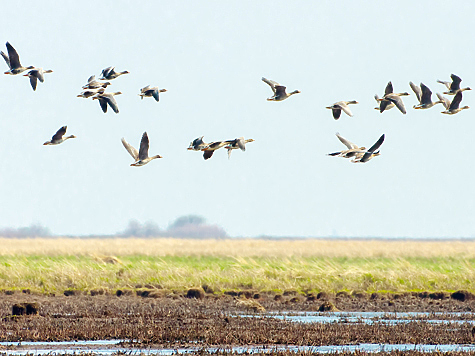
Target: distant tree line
x: 192, y: 226
x: 34, y: 230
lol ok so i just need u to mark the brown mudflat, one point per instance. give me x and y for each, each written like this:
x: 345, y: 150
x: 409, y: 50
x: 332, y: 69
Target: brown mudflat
x: 175, y: 320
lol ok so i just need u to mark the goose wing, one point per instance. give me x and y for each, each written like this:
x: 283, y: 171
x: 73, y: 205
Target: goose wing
x: 426, y: 94
x: 59, y: 134
x: 389, y: 88
x: 5, y: 57
x: 456, y: 101
x: 444, y: 100
x: 155, y: 94
x: 336, y: 111
x: 144, y: 144
x: 107, y: 71
x: 112, y: 103
x: 396, y: 100
x: 372, y: 149
x: 40, y: 74
x: 33, y: 81
x: 271, y: 83
x: 346, y: 109
x: 132, y: 151
x: 14, y: 57
x: 103, y: 104
x: 455, y: 82
x: 92, y: 78
x: 207, y: 154
x: 416, y: 91
x: 347, y: 143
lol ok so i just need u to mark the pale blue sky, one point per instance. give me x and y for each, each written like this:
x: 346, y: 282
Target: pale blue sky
x: 211, y: 55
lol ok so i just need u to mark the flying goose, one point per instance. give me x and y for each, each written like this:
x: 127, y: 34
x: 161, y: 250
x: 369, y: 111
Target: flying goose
x: 213, y: 146
x: 13, y: 61
x: 423, y: 95
x: 279, y: 90
x: 362, y: 157
x: 109, y: 73
x: 107, y: 98
x: 197, y: 144
x: 452, y: 107
x: 237, y: 143
x: 391, y: 97
x: 92, y: 83
x: 58, y: 137
x: 90, y: 92
x: 151, y: 91
x: 454, y: 86
x: 35, y: 75
x: 385, y: 104
x: 352, y: 150
x: 339, y: 106
x: 141, y: 158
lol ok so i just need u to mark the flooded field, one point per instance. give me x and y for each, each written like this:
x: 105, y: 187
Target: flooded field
x: 229, y: 325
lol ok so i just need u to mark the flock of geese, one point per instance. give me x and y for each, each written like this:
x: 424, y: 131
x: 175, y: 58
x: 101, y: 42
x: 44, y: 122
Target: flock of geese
x: 95, y: 89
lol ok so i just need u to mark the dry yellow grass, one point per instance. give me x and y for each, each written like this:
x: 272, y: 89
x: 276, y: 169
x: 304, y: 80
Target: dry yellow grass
x: 236, y: 247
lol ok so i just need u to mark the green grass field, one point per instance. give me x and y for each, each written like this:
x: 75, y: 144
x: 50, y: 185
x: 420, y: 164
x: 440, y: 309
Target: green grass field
x: 56, y: 265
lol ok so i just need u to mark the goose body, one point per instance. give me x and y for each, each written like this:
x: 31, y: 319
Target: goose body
x: 279, y: 90
x: 454, y: 85
x: 92, y: 83
x: 107, y: 99
x: 340, y: 106
x: 109, y: 73
x: 424, y: 96
x: 141, y: 157
x: 35, y: 75
x: 352, y: 150
x: 13, y: 61
x: 213, y: 146
x: 238, y: 143
x: 59, y: 137
x: 151, y: 91
x: 452, y: 108
x: 90, y: 92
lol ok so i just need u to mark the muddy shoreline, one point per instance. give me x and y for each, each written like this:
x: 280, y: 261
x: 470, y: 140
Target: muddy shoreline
x: 178, y: 321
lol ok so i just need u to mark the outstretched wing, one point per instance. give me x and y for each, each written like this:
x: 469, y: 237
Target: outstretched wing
x: 112, y: 103
x: 271, y: 83
x: 103, y: 104
x: 347, y: 143
x: 132, y: 151
x: 416, y: 91
x: 426, y: 94
x: 207, y: 154
x: 444, y: 100
x: 33, y: 81
x: 456, y: 101
x: 389, y: 89
x: 455, y: 82
x: 59, y: 134
x: 14, y: 57
x: 396, y: 100
x: 372, y: 149
x: 155, y: 94
x: 144, y: 144
x: 5, y: 57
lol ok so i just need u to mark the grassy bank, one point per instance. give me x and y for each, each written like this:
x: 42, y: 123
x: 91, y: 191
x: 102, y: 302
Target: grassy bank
x: 53, y: 265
